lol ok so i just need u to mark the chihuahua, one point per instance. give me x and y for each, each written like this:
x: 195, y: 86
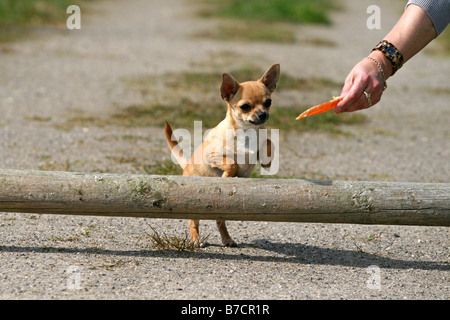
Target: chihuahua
x: 223, y: 153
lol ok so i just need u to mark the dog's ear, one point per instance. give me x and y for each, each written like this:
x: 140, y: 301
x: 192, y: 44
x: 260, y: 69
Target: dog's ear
x: 229, y: 87
x: 271, y: 76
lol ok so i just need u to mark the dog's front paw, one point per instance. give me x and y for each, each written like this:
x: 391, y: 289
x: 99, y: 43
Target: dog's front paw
x: 197, y: 243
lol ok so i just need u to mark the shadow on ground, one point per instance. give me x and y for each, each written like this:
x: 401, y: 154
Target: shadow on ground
x: 279, y: 252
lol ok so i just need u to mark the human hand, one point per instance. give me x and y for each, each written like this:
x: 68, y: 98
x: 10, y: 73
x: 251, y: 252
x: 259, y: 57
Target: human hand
x: 363, y: 86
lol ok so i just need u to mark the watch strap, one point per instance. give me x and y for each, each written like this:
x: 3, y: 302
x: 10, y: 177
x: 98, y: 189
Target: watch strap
x: 392, y: 53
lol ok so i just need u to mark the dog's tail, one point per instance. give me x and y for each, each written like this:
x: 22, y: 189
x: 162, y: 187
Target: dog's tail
x: 173, y: 144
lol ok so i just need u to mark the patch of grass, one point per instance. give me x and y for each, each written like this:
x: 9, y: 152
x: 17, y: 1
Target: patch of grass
x: 319, y: 42
x: 165, y: 241
x: 87, y: 231
x: 38, y: 118
x: 443, y: 45
x: 109, y: 266
x: 284, y: 118
x: 19, y: 17
x: 61, y: 239
x: 179, y: 105
x: 81, y: 120
x: 209, y: 82
x: 263, y: 20
x: 181, y: 115
x: 380, y: 177
x: 308, y: 84
x: 226, y: 59
x: 444, y: 39
x: 256, y: 31
x: 50, y: 165
x: 163, y: 167
x: 441, y: 90
x: 9, y: 219
x: 256, y: 173
x: 123, y: 159
x: 192, y: 81
x: 373, y: 237
x: 281, y: 117
x: 299, y: 11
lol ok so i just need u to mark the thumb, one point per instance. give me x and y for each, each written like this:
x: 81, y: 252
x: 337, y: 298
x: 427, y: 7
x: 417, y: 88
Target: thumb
x: 344, y: 93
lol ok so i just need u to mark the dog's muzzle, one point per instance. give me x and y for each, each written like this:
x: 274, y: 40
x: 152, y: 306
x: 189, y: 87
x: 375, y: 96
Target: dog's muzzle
x: 262, y: 117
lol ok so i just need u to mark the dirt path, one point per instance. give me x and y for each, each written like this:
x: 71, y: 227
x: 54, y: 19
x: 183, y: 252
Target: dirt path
x: 66, y: 76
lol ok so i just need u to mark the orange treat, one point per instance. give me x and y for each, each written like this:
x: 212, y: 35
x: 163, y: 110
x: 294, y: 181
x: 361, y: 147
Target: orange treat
x: 320, y: 108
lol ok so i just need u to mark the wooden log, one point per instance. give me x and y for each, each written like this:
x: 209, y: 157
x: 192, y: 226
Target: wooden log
x: 179, y: 197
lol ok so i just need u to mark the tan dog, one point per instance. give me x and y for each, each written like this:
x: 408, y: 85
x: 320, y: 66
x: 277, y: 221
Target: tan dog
x: 224, y: 152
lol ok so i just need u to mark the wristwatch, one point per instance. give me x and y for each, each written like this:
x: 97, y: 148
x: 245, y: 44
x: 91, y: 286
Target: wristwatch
x: 392, y: 53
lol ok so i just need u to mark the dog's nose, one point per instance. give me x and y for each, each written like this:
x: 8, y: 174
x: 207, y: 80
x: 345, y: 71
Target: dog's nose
x: 262, y: 116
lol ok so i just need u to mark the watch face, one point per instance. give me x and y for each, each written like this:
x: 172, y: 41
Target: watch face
x: 390, y: 50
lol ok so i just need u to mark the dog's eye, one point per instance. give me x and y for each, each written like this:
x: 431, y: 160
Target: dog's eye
x: 267, y: 103
x: 246, y: 107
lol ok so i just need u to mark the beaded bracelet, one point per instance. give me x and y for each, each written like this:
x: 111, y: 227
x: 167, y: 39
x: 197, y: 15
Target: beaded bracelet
x: 381, y: 69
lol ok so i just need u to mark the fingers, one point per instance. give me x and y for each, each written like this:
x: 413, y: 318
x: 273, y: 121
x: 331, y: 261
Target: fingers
x: 360, y: 103
x: 352, y: 96
x: 363, y: 78
x: 358, y: 100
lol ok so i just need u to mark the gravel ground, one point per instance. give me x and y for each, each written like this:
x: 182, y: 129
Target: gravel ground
x: 61, y: 74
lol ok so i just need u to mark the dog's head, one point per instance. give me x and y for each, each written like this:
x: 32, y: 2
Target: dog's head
x: 249, y: 102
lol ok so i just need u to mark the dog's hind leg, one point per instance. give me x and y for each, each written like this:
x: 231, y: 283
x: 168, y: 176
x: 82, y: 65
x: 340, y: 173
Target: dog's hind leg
x: 226, y: 238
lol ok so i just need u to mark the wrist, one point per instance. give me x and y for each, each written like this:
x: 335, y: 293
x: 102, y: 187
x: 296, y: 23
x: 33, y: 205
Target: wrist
x: 391, y: 53
x: 385, y: 63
